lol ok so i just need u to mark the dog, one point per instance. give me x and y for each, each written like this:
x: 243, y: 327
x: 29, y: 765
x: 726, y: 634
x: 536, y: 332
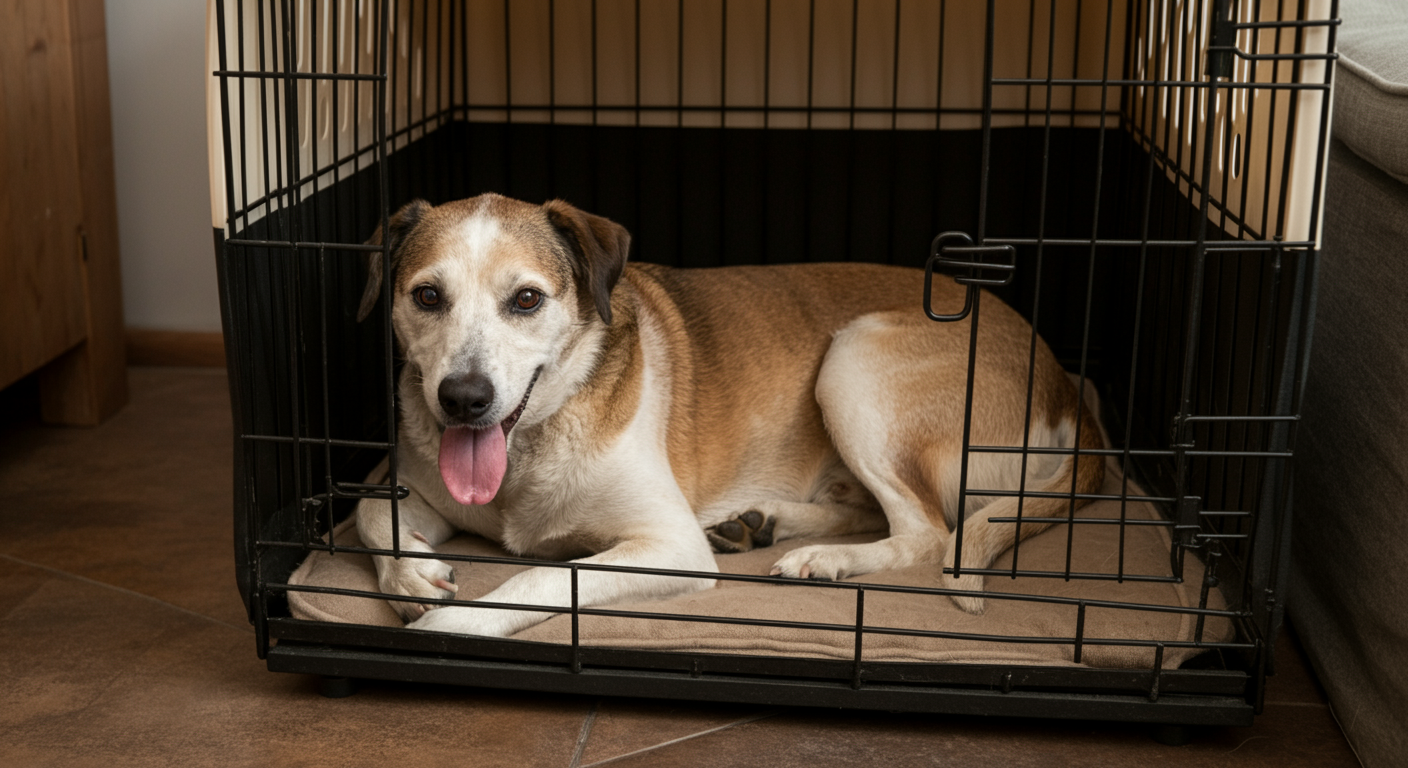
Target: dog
x: 572, y: 406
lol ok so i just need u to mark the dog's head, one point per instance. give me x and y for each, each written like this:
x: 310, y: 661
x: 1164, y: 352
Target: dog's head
x: 486, y: 295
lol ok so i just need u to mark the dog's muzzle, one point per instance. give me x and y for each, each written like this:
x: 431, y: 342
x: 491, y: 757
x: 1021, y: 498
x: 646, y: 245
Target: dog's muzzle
x: 473, y: 460
x: 466, y: 398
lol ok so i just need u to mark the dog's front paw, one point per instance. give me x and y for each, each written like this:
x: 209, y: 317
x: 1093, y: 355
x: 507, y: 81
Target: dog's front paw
x: 417, y: 577
x: 470, y: 620
x: 826, y: 562
x: 968, y: 582
x: 742, y: 533
x: 447, y: 619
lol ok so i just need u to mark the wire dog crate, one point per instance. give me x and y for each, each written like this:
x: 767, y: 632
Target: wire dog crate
x: 1140, y: 180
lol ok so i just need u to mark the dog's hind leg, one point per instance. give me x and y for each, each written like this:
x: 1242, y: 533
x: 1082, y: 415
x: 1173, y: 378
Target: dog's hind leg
x: 913, y: 539
x: 836, y: 505
x: 983, y: 539
x: 862, y: 402
x: 773, y: 520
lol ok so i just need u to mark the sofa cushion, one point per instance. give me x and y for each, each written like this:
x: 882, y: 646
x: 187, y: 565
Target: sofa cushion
x: 1371, y: 83
x: 1349, y: 577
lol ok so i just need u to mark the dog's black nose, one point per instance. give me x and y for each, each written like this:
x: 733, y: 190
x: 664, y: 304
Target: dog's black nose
x: 466, y: 397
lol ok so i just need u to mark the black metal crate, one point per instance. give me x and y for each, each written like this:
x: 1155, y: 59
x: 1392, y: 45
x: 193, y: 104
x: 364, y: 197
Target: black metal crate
x: 1157, y: 192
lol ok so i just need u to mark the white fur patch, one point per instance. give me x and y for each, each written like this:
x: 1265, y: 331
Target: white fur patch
x: 478, y: 234
x: 1003, y: 471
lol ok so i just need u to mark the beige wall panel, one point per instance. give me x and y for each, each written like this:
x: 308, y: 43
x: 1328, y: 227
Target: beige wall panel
x: 537, y: 56
x: 784, y: 55
x: 1259, y: 135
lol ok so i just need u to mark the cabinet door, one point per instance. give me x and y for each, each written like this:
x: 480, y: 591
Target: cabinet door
x: 42, y: 292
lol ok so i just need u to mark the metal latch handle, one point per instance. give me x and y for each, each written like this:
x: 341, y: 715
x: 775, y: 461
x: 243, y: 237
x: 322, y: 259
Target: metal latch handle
x: 970, y: 270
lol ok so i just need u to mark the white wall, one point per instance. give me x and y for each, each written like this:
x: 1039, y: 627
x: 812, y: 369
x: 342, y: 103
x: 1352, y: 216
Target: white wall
x: 156, y: 67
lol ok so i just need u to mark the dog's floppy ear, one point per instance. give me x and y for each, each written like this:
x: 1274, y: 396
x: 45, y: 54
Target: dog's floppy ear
x: 398, y: 227
x: 599, y: 247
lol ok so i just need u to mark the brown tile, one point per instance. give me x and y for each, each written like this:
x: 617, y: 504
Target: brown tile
x: 1298, y: 736
x: 65, y: 642
x: 623, y: 726
x: 103, y: 677
x: 142, y: 502
x: 17, y: 583
x: 98, y: 677
x: 1295, y: 680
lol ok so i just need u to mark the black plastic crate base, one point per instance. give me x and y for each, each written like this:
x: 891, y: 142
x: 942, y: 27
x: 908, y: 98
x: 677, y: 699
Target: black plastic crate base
x: 1167, y: 709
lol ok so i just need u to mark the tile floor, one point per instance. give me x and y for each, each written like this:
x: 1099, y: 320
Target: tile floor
x: 123, y: 642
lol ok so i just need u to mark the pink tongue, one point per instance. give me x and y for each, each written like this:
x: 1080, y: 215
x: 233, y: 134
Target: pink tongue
x: 472, y: 462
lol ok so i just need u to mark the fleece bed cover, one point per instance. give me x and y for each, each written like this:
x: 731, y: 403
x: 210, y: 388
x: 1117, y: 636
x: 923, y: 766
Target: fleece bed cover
x: 1094, y: 549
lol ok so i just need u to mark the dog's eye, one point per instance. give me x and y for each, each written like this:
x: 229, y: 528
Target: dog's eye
x: 527, y: 299
x: 427, y: 296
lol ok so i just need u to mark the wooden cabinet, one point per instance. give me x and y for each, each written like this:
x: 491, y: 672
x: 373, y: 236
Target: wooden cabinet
x: 60, y: 283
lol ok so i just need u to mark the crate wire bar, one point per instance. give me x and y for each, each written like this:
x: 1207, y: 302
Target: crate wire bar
x: 1180, y: 147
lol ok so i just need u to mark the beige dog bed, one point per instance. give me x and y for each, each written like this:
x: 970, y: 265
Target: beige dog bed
x: 1095, y: 550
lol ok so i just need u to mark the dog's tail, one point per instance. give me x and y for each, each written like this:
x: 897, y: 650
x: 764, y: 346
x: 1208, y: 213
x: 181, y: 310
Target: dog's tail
x: 984, y: 540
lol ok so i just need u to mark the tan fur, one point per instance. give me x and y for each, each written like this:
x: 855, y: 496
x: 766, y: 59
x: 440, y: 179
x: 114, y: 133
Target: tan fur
x: 746, y: 342
x: 813, y: 396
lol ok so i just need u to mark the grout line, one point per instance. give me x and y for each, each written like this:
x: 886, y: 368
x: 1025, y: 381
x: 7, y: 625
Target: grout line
x: 1244, y: 743
x: 725, y: 726
x: 584, y: 735
x: 123, y: 590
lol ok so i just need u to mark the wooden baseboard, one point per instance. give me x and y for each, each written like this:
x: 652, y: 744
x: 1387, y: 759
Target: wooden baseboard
x: 191, y: 349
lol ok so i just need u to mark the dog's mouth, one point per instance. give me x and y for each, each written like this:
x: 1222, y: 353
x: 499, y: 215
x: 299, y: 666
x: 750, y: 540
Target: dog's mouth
x: 512, y: 418
x: 473, y: 460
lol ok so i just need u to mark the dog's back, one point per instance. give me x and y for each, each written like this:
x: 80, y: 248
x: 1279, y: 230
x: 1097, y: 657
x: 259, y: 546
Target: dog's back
x: 744, y: 346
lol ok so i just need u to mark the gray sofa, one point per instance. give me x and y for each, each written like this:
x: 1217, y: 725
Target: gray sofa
x: 1349, y: 580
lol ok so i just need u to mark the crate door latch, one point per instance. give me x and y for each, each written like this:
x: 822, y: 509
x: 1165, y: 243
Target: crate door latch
x: 955, y: 254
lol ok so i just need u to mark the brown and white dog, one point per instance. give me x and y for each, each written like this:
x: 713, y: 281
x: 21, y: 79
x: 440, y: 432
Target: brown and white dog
x: 568, y: 405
